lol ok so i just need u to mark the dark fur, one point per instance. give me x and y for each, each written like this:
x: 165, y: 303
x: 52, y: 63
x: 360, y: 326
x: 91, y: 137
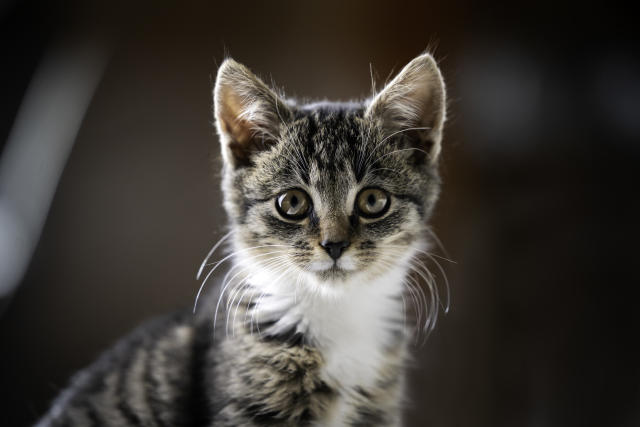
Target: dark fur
x: 172, y: 372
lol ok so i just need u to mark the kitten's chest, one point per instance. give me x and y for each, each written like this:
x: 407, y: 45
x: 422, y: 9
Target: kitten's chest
x: 356, y: 358
x: 356, y: 335
x: 346, y: 370
x: 363, y: 347
x: 368, y: 386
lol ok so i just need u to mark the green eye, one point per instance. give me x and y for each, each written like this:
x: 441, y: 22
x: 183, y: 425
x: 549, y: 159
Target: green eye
x: 372, y: 202
x: 293, y: 204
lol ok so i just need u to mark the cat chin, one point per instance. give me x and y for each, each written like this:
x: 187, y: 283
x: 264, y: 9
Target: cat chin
x: 340, y: 270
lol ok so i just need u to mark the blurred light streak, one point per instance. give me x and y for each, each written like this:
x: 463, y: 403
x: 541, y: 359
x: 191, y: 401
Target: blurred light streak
x: 37, y: 149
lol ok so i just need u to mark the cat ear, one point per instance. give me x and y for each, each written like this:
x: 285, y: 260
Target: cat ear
x: 415, y: 98
x: 248, y: 114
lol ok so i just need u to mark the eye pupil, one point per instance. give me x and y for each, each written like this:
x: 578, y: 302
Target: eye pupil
x: 293, y: 204
x: 373, y: 202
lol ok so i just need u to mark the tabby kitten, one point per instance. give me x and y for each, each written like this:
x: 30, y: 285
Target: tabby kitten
x: 328, y: 205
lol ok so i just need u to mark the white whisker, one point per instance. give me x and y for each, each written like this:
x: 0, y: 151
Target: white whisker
x: 213, y: 249
x: 379, y: 144
x: 227, y: 284
x: 276, y: 261
x: 416, y: 266
x: 440, y: 268
x: 217, y: 264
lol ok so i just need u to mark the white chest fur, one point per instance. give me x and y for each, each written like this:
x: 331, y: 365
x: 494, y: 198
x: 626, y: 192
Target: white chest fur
x: 355, y: 329
x: 355, y: 333
x: 353, y: 325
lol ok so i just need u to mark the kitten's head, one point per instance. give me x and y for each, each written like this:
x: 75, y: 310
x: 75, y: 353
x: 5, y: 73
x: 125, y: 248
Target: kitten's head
x: 331, y: 192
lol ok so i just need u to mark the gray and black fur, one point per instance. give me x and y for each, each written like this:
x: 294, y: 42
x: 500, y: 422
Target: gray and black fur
x: 303, y: 335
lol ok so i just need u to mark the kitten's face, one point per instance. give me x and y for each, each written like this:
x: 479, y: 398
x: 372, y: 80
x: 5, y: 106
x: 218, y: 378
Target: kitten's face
x: 335, y: 203
x: 335, y: 192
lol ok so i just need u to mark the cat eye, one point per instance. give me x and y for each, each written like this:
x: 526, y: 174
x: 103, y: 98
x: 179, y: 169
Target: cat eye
x: 293, y: 204
x: 372, y: 202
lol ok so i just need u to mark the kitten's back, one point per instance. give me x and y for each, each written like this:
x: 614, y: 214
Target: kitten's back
x: 154, y: 376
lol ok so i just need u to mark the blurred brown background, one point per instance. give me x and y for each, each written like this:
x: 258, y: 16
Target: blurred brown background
x: 539, y: 208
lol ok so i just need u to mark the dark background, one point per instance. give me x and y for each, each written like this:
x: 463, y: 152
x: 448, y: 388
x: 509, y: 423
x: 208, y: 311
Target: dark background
x: 539, y: 208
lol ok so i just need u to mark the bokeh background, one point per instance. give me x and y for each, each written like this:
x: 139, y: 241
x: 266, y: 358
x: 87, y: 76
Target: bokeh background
x: 539, y: 209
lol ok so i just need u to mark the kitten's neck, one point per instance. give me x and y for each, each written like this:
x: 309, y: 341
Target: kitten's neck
x: 354, y: 324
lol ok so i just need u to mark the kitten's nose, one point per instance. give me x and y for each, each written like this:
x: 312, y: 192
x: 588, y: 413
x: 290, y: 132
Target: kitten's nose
x: 334, y: 249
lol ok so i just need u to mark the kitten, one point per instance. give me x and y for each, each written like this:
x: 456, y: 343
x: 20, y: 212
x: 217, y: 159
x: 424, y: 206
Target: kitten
x: 328, y: 205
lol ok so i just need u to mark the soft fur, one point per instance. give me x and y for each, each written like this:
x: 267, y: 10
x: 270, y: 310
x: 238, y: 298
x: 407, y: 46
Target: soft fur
x: 300, y: 339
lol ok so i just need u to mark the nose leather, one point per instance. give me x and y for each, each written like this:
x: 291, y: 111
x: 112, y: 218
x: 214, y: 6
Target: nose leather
x: 334, y: 249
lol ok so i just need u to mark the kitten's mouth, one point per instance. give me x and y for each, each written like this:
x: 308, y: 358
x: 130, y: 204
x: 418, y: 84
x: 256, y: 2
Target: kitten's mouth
x: 332, y: 273
x: 335, y: 268
x: 332, y: 270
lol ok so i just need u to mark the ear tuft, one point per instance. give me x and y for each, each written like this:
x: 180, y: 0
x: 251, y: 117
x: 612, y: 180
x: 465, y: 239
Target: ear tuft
x: 415, y: 99
x: 248, y: 114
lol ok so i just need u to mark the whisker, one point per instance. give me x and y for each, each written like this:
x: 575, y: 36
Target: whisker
x: 226, y: 284
x: 419, y: 295
x: 383, y: 169
x: 416, y: 301
x: 379, y: 144
x: 253, y: 313
x: 400, y: 150
x: 235, y: 313
x: 436, y: 239
x: 440, y: 268
x: 416, y: 266
x: 213, y: 249
x: 419, y: 307
x: 274, y: 262
x: 270, y: 262
x: 246, y: 249
x: 256, y: 307
x: 217, y: 264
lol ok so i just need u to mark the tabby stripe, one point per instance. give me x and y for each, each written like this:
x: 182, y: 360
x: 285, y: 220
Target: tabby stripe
x: 94, y: 416
x: 123, y: 393
x: 154, y: 402
x: 127, y: 412
x: 369, y: 417
x: 198, y: 404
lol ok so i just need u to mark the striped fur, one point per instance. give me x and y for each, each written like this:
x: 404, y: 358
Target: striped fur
x: 301, y: 338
